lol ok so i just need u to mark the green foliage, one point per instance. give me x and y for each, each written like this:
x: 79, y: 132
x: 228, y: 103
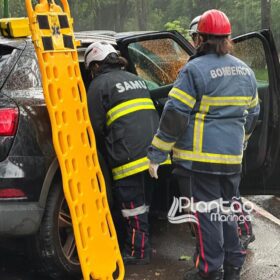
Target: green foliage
x: 121, y: 15
x: 176, y: 25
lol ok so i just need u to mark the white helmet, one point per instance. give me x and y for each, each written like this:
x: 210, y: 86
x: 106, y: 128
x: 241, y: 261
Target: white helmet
x: 98, y: 51
x: 193, y: 25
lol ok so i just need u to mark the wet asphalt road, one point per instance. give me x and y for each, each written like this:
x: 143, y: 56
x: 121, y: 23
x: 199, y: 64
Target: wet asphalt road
x: 262, y: 260
x: 268, y: 202
x: 170, y: 242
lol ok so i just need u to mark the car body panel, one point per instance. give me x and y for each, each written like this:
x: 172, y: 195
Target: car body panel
x: 262, y: 155
x: 20, y: 218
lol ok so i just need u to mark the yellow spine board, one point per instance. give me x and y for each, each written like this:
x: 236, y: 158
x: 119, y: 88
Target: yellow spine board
x: 74, y: 140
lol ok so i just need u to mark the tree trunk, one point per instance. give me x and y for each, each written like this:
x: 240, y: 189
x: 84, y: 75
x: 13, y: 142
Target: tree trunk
x: 265, y: 13
x: 142, y: 13
x: 6, y: 9
x: 122, y: 11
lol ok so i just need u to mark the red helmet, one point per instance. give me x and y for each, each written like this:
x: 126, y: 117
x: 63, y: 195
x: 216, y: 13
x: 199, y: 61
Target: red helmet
x: 214, y: 22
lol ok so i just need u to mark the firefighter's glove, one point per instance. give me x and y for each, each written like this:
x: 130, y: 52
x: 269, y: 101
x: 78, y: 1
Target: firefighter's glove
x: 245, y: 144
x: 153, y: 169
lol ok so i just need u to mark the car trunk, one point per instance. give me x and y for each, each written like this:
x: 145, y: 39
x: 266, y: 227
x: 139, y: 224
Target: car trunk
x: 8, y: 125
x: 8, y: 109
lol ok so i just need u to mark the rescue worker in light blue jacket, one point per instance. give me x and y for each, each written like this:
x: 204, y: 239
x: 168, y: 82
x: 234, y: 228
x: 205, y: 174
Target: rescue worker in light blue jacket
x: 245, y: 228
x: 212, y: 109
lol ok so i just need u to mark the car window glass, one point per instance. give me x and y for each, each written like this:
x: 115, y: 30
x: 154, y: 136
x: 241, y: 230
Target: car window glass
x: 25, y: 74
x: 8, y: 57
x: 157, y: 61
x: 251, y: 51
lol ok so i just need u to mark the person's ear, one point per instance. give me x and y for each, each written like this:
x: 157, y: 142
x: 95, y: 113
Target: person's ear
x: 199, y: 40
x: 94, y: 69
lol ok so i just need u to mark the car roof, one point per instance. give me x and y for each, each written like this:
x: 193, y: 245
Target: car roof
x: 13, y: 42
x: 86, y: 37
x: 106, y: 35
x: 121, y: 35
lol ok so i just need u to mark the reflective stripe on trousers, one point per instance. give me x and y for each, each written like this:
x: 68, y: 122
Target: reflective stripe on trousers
x: 135, y: 211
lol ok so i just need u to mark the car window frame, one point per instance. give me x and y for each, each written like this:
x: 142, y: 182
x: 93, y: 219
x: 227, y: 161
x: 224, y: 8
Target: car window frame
x: 174, y: 35
x: 20, y: 47
x: 262, y: 176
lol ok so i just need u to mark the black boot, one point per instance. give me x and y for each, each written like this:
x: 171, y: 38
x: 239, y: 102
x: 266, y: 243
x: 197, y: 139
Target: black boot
x: 132, y: 260
x: 194, y: 274
x: 246, y: 239
x: 232, y: 272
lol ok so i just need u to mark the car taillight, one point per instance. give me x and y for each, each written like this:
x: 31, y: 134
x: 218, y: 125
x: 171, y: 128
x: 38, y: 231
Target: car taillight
x: 8, y: 121
x: 12, y: 193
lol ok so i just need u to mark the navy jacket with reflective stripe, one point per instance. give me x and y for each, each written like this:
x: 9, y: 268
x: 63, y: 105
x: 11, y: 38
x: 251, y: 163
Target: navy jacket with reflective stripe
x: 123, y: 117
x: 217, y: 97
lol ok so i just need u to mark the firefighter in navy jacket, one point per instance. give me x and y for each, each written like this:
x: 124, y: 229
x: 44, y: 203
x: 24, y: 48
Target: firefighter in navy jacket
x: 124, y: 120
x: 211, y: 112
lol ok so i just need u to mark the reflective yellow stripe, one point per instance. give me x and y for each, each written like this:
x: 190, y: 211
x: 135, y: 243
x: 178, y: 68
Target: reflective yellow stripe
x: 206, y: 157
x: 226, y: 100
x: 162, y: 145
x: 208, y: 101
x: 199, y: 128
x: 254, y: 102
x: 129, y: 107
x: 182, y: 96
x: 133, y: 168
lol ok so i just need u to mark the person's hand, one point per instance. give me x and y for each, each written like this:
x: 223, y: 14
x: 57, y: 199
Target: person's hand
x: 245, y: 144
x: 153, y: 168
x: 246, y: 139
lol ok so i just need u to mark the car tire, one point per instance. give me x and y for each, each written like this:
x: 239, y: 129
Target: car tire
x: 53, y: 247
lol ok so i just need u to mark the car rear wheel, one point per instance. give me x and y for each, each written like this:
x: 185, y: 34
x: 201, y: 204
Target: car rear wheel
x: 55, y: 243
x: 54, y: 246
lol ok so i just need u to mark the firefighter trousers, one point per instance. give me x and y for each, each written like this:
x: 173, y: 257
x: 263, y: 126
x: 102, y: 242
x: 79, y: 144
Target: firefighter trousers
x: 244, y: 221
x: 133, y: 195
x: 216, y: 232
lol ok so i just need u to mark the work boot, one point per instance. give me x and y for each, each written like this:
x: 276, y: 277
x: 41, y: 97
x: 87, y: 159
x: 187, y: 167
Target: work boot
x: 246, y: 240
x: 132, y: 260
x: 232, y: 272
x: 195, y: 274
